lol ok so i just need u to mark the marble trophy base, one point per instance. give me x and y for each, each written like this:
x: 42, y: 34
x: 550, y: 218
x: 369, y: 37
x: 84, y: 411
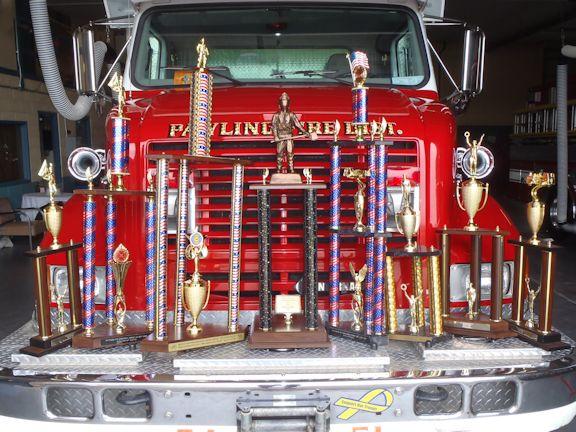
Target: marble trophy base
x: 345, y: 331
x: 551, y: 341
x: 41, y: 346
x: 285, y: 178
x: 181, y: 340
x: 481, y: 326
x: 105, y: 336
x: 293, y: 336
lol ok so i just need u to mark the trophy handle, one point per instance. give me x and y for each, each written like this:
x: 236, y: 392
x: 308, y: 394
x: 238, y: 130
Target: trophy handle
x: 485, y: 197
x: 208, y: 296
x: 397, y: 224
x: 458, y: 196
x: 417, y: 222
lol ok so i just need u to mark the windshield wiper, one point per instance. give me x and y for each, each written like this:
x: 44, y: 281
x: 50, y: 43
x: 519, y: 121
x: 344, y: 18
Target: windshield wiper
x: 312, y: 73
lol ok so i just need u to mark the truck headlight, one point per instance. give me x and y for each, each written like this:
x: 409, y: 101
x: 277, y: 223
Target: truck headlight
x: 460, y: 277
x: 59, y: 277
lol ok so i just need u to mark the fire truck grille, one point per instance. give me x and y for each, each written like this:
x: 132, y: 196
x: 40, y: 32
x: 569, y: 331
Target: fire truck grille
x: 127, y: 404
x: 436, y: 400
x: 212, y: 190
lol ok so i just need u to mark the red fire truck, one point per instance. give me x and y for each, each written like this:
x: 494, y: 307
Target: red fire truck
x: 259, y: 49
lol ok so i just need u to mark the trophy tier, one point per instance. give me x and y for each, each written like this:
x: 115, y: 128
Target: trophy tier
x: 113, y: 193
x: 200, y: 160
x: 419, y: 251
x: 550, y: 341
x: 294, y: 186
x: 348, y: 231
x: 293, y: 336
x: 105, y: 336
x: 40, y: 346
x: 477, y: 232
x: 63, y: 247
x: 178, y: 339
x: 479, y: 326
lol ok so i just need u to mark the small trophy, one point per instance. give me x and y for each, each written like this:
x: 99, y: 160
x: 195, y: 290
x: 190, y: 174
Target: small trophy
x: 413, y: 302
x: 358, y: 297
x: 53, y: 213
x: 469, y: 192
x: 535, y: 209
x: 407, y: 220
x: 359, y: 197
x: 196, y: 289
x: 61, y: 315
x: 120, y: 264
x: 471, y: 296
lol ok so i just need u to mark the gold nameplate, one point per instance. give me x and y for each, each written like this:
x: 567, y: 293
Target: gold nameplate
x: 206, y: 342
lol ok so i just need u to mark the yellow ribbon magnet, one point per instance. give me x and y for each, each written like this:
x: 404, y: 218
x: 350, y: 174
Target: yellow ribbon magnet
x: 364, y: 403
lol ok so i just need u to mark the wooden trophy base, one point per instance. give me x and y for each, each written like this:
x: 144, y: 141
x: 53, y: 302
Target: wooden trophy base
x: 285, y: 178
x: 282, y: 336
x: 41, y: 346
x: 105, y: 336
x: 551, y: 341
x: 181, y: 340
x: 482, y: 326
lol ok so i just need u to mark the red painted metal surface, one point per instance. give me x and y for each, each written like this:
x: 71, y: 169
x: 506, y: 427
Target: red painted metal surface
x: 424, y: 139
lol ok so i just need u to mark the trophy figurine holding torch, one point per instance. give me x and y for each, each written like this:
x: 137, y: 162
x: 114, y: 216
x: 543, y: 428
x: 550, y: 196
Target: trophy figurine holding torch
x: 359, y: 197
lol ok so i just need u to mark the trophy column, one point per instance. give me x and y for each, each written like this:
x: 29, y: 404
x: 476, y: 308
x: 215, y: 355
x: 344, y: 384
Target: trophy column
x: 264, y: 261
x: 288, y: 327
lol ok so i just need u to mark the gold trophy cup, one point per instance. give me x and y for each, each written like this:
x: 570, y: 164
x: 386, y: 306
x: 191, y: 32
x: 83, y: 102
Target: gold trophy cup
x: 472, y: 194
x: 359, y: 197
x: 120, y: 264
x: 53, y: 213
x: 196, y: 290
x: 407, y: 219
x: 535, y: 209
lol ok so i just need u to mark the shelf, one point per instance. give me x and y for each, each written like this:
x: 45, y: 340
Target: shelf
x: 200, y: 160
x: 108, y: 192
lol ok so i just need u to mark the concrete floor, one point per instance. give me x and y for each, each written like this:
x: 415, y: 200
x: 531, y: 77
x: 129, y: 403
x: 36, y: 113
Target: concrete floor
x: 17, y: 279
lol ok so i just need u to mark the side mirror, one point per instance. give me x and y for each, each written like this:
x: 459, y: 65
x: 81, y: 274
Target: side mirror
x: 473, y: 62
x: 85, y: 62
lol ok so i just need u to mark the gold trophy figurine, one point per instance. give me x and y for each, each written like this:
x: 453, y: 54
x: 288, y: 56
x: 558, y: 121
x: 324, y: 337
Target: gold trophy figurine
x: 117, y: 85
x: 471, y: 299
x: 61, y: 316
x: 407, y: 220
x: 413, y: 302
x: 359, y: 197
x: 357, y: 297
x: 307, y: 172
x: 53, y: 213
x: 265, y: 174
x: 203, y: 54
x: 535, y: 209
x: 532, y: 295
x: 336, y: 130
x: 196, y: 290
x: 469, y: 192
x: 120, y: 264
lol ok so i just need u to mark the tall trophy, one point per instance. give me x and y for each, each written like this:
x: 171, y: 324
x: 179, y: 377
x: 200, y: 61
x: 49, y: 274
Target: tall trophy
x: 407, y: 220
x: 48, y: 338
x: 472, y: 194
x: 359, y: 197
x: 535, y: 330
x: 53, y: 213
x: 535, y: 209
x: 284, y: 122
x: 117, y: 332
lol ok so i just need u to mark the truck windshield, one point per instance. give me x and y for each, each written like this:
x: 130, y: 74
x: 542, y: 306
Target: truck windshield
x: 280, y: 45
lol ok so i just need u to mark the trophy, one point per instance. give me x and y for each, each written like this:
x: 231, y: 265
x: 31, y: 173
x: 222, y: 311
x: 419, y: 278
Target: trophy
x: 407, y: 220
x: 359, y: 197
x: 196, y: 289
x: 119, y: 152
x: 357, y: 297
x: 471, y: 300
x: 535, y: 209
x: 120, y: 264
x: 472, y: 194
x: 284, y: 122
x: 53, y: 213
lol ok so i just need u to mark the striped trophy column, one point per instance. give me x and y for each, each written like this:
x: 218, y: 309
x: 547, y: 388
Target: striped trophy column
x: 89, y: 273
x: 181, y: 242
x: 110, y: 241
x: 371, y: 222
x: 235, y: 246
x: 150, y: 209
x: 161, y: 248
x: 334, y: 273
x: 380, y: 232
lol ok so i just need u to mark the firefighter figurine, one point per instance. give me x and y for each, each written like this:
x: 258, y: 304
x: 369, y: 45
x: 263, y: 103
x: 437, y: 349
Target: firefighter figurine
x: 283, y: 123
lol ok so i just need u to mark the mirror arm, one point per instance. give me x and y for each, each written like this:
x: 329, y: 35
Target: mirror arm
x: 443, y: 66
x: 104, y: 80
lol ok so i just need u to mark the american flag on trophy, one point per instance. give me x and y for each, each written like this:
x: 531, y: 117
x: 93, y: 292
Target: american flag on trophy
x: 358, y: 67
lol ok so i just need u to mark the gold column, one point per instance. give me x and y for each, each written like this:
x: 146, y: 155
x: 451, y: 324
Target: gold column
x: 520, y: 270
x: 546, y: 283
x: 74, y: 288
x: 42, y: 294
x: 418, y: 289
x: 445, y: 277
x: 391, y: 319
x: 436, y: 324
